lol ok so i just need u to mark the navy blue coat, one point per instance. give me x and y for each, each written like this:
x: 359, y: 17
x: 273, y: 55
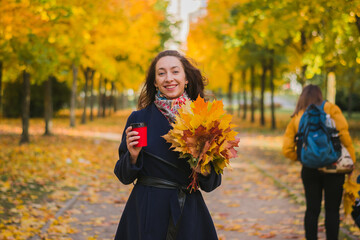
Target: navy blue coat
x: 148, y: 209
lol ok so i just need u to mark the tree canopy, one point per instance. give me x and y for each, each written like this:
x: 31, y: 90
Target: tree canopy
x: 115, y: 38
x: 309, y: 38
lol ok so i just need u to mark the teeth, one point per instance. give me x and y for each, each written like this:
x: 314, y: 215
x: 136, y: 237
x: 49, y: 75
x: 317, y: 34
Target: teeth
x: 170, y: 87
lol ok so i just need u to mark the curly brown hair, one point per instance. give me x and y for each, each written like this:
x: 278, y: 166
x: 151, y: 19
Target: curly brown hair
x: 195, y: 86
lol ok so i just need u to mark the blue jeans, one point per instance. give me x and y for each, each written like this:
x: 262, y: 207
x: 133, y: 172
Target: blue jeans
x: 314, y: 183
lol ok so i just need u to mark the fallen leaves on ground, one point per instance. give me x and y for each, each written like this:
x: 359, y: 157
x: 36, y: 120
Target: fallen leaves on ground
x: 36, y: 180
x: 39, y: 177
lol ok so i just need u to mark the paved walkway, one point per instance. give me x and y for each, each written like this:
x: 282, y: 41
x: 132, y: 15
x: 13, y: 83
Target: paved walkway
x: 246, y: 206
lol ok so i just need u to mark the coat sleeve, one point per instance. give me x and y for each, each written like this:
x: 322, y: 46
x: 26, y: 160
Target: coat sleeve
x: 343, y: 128
x: 289, y: 144
x: 124, y: 170
x: 210, y: 182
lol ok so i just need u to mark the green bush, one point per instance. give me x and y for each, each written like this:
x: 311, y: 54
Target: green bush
x: 342, y: 100
x: 12, y: 98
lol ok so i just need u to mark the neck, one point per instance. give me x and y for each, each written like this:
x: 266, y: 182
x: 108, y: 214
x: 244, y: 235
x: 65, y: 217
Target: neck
x: 164, y: 97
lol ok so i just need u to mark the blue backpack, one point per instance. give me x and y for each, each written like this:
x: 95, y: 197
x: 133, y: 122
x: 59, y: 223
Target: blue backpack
x: 314, y: 145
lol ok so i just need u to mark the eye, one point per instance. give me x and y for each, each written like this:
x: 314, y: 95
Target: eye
x: 161, y: 73
x: 175, y: 72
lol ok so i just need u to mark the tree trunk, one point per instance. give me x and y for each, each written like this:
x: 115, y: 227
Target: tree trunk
x: 1, y: 105
x: 116, y: 106
x: 86, y: 76
x: 350, y: 99
x: 73, y: 96
x: 25, y: 113
x: 48, y: 106
x: 303, y: 67
x: 123, y: 100
x: 303, y: 75
x: 357, y: 22
x: 239, y: 101
x: 272, y: 89
x: 244, y: 93
x: 104, y: 102
x: 230, y: 92
x: 99, y: 98
x: 350, y: 103
x: 325, y: 87
x: 262, y: 98
x: 92, y: 94
x: 114, y: 97
x: 252, y: 79
x: 111, y: 104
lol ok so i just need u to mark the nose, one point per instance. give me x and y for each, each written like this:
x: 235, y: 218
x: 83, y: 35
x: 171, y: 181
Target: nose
x: 169, y: 77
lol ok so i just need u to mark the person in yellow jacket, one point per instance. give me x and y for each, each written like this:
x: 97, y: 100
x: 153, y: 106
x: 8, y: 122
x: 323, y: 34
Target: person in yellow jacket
x: 315, y: 181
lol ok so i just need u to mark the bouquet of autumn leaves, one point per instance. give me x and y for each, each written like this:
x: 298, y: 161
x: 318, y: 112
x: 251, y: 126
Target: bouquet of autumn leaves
x: 203, y: 134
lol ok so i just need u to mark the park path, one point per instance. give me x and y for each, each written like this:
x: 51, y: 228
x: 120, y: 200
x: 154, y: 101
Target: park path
x: 248, y: 205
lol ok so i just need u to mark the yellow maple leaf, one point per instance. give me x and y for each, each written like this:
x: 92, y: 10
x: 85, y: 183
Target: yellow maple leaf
x: 216, y: 110
x: 351, y: 193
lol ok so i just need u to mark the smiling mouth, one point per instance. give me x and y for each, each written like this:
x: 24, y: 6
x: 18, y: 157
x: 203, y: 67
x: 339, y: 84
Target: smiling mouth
x: 171, y: 87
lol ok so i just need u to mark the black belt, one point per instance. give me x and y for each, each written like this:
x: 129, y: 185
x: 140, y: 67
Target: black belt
x: 159, y: 182
x: 163, y: 183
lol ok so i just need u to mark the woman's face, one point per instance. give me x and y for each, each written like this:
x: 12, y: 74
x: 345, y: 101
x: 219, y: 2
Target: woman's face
x: 170, y: 77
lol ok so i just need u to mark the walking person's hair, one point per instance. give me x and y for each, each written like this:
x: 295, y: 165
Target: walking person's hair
x: 195, y: 86
x: 311, y: 94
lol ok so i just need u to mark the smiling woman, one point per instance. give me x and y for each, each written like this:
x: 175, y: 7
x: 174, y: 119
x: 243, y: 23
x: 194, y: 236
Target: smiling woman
x: 194, y: 80
x: 160, y: 205
x: 170, y: 77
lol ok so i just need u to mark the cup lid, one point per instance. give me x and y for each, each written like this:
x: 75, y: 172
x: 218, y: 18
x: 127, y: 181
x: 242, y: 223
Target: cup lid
x: 138, y: 125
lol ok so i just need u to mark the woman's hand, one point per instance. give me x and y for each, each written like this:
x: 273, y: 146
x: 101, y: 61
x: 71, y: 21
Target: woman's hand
x: 131, y: 140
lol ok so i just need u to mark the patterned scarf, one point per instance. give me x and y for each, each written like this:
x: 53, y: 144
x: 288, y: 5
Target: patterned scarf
x: 169, y: 107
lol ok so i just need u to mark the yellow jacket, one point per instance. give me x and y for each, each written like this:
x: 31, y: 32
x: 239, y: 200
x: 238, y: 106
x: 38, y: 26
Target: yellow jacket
x: 289, y: 145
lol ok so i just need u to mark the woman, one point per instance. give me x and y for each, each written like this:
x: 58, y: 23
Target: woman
x: 313, y: 180
x: 159, y: 206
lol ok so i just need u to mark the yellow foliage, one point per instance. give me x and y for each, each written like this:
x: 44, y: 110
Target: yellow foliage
x: 206, y: 44
x: 102, y: 35
x: 202, y: 134
x: 351, y: 193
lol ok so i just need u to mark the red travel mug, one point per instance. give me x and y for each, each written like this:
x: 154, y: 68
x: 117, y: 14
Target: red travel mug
x: 142, y: 130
